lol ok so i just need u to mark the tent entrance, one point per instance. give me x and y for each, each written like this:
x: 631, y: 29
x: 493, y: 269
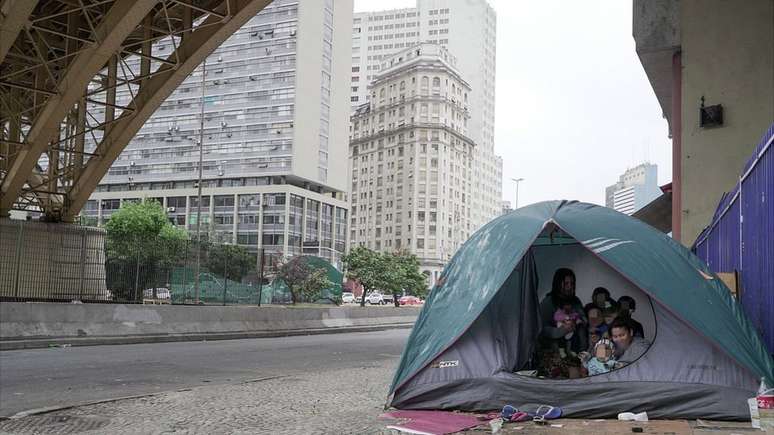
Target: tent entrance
x: 554, y: 250
x: 592, y: 277
x: 503, y: 339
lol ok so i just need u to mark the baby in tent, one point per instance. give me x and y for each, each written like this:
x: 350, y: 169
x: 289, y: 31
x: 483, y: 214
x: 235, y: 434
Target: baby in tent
x: 566, y: 317
x: 602, y: 361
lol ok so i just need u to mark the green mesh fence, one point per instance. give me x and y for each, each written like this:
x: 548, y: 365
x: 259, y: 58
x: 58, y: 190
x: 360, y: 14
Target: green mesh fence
x: 214, y: 289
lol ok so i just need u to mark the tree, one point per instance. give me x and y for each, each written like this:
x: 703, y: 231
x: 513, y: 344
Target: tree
x: 230, y: 261
x: 141, y: 243
x: 306, y: 283
x: 366, y: 266
x: 390, y: 272
x: 412, y: 280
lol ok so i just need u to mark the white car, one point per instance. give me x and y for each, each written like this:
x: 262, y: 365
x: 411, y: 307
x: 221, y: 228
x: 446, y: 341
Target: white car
x: 161, y: 293
x: 374, y: 298
x: 347, y: 298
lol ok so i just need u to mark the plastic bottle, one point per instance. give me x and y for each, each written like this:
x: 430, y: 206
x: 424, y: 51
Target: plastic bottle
x: 765, y: 401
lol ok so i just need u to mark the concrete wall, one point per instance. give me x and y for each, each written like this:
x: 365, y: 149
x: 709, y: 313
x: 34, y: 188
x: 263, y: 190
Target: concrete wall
x: 728, y: 57
x: 656, y: 31
x: 51, y: 320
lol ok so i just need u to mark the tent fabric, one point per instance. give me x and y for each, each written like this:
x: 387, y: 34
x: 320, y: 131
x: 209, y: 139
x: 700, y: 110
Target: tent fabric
x: 483, y: 380
x: 480, y: 322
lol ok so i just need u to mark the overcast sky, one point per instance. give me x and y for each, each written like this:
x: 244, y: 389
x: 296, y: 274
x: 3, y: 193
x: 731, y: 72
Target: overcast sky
x: 574, y: 108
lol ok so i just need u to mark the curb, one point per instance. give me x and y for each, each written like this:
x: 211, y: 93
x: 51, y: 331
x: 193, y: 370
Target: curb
x: 39, y: 343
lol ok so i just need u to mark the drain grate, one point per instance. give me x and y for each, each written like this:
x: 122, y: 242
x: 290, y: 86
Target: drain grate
x: 52, y: 424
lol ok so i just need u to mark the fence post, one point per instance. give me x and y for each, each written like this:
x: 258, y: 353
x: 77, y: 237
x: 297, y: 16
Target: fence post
x: 83, y: 264
x: 19, y: 252
x: 225, y: 278
x: 136, y: 278
x: 185, y: 271
x: 260, y: 275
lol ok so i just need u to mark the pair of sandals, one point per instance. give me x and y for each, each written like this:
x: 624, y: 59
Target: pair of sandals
x: 537, y: 413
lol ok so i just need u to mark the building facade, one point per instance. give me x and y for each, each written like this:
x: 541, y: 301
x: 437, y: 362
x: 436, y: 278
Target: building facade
x: 467, y: 28
x: 635, y: 188
x: 411, y: 159
x: 699, y: 54
x: 275, y: 137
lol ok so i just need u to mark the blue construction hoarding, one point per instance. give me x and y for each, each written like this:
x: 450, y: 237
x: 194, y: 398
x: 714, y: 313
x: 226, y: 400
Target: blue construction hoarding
x: 741, y: 237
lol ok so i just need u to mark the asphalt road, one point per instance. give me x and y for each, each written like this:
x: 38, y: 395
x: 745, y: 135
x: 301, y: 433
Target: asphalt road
x: 39, y: 378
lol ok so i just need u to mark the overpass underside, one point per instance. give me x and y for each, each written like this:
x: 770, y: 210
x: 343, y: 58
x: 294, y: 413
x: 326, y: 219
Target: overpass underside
x: 78, y: 78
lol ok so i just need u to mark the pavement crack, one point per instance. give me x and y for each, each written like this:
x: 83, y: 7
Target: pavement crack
x: 268, y: 378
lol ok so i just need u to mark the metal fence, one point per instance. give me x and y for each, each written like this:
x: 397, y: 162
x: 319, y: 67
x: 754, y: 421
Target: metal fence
x: 65, y: 263
x: 741, y: 237
x: 42, y: 261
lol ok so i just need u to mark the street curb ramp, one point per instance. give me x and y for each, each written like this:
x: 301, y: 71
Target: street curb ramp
x: 38, y: 325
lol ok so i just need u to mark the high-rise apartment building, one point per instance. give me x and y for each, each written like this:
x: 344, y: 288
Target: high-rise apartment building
x: 636, y: 188
x: 276, y: 114
x: 412, y: 161
x: 467, y: 28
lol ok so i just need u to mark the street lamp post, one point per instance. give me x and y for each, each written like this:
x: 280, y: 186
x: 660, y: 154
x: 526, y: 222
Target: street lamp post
x: 517, y: 181
x: 199, y: 186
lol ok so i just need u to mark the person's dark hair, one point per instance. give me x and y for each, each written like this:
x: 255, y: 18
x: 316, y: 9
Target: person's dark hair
x: 599, y: 290
x: 622, y: 322
x: 565, y: 300
x: 556, y: 284
x: 590, y: 307
x: 629, y: 300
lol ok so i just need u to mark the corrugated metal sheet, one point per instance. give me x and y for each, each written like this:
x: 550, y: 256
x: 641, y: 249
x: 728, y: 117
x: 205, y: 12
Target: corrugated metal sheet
x: 741, y: 237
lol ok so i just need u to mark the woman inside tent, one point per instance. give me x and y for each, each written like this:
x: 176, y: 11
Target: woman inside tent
x: 559, y: 341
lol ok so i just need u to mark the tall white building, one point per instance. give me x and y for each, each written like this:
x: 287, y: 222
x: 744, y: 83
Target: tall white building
x: 467, y: 28
x: 635, y: 188
x: 276, y: 112
x: 411, y: 158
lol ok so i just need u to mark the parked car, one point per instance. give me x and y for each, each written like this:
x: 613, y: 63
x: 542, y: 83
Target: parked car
x: 374, y: 298
x: 410, y: 300
x: 161, y: 293
x: 347, y: 298
x: 388, y: 298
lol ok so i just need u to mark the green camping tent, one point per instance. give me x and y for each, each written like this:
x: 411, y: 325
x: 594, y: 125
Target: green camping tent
x: 478, y: 327
x: 281, y: 293
x: 334, y: 275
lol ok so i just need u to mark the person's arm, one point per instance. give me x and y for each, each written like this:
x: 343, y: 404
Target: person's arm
x: 634, y: 352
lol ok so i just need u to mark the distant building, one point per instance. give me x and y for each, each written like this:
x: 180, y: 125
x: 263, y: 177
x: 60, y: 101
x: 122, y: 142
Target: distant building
x: 274, y: 173
x: 635, y: 188
x: 467, y: 28
x: 507, y: 207
x: 412, y: 160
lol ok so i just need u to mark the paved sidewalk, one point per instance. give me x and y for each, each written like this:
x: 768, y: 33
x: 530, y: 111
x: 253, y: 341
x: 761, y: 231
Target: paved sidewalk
x: 337, y: 401
x: 333, y: 402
